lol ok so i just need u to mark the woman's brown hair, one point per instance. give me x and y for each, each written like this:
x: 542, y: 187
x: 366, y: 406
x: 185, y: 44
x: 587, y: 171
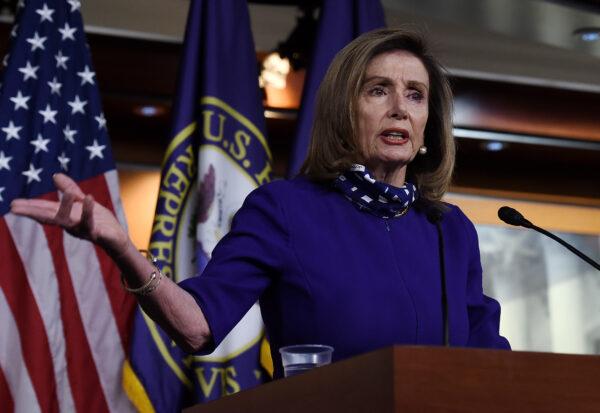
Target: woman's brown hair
x: 334, y: 143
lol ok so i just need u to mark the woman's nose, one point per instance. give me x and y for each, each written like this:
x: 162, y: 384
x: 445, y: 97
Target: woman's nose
x: 397, y: 108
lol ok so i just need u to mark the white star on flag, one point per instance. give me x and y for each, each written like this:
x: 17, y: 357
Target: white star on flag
x: 86, y: 76
x: 20, y: 101
x: 5, y: 60
x: 64, y: 161
x: 54, y: 86
x: 40, y: 144
x: 75, y: 5
x: 101, y: 121
x: 13, y: 32
x: 69, y: 134
x: 67, y: 32
x: 36, y: 42
x: 20, y: 4
x: 32, y: 174
x: 4, y: 160
x: 77, y: 105
x: 29, y: 71
x: 48, y: 114
x: 95, y: 150
x: 45, y: 13
x: 61, y: 61
x: 12, y: 131
x: 1, y: 190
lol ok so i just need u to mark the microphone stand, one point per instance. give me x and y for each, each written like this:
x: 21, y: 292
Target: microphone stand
x: 434, y: 215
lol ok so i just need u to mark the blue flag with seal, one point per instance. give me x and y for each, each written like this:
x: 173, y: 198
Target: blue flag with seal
x: 340, y: 22
x: 217, y: 155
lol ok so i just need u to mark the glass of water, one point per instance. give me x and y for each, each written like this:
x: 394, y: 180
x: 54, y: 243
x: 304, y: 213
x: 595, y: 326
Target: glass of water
x: 302, y: 357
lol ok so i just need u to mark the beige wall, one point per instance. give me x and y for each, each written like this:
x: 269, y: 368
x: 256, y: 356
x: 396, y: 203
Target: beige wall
x: 550, y: 216
x: 139, y: 191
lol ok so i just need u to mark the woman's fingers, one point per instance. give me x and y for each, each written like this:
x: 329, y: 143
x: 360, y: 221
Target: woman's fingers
x: 87, y: 216
x: 82, y: 218
x: 38, y: 209
x: 75, y: 212
x: 67, y: 185
x: 66, y: 213
x: 63, y: 215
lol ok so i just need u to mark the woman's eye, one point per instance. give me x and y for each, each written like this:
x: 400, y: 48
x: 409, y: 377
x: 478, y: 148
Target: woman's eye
x: 377, y: 91
x: 416, y: 96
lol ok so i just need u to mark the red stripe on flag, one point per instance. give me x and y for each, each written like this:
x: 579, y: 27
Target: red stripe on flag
x: 6, y: 400
x: 83, y: 375
x: 122, y: 303
x: 34, y: 341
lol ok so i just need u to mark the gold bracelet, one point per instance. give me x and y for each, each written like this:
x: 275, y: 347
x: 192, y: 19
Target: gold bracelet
x: 153, y: 286
x: 149, y: 285
x: 139, y: 289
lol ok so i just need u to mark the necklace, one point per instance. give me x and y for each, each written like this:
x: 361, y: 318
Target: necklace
x: 401, y: 213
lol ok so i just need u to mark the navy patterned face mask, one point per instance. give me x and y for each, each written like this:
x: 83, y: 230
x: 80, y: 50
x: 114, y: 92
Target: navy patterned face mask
x: 378, y: 198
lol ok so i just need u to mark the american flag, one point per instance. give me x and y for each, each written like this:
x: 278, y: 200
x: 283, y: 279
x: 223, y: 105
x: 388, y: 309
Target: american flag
x: 64, y: 317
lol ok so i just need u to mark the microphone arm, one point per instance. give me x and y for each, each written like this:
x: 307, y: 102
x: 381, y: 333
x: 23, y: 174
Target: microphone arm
x: 434, y: 216
x: 513, y: 217
x: 568, y: 246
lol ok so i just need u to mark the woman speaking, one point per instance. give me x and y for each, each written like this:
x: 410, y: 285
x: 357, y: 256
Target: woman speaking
x: 344, y: 254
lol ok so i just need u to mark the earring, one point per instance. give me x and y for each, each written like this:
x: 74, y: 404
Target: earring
x: 423, y: 150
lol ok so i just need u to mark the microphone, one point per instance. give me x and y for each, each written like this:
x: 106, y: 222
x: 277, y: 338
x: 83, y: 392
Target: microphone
x: 513, y: 217
x: 434, y: 216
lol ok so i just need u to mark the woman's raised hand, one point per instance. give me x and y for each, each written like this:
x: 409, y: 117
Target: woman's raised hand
x: 77, y: 213
x: 169, y: 305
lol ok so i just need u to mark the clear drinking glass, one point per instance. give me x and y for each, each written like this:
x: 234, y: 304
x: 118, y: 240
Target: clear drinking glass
x: 302, y: 357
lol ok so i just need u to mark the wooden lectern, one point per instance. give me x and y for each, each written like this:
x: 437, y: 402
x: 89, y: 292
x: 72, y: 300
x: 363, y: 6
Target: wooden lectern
x: 430, y: 379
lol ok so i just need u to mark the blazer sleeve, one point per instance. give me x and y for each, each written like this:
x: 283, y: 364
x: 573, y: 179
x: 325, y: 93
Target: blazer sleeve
x: 242, y: 264
x: 483, y: 311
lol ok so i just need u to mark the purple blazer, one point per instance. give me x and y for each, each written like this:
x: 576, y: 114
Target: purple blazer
x: 327, y: 273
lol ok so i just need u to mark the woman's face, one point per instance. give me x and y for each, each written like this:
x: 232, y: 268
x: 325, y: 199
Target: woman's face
x: 392, y: 113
